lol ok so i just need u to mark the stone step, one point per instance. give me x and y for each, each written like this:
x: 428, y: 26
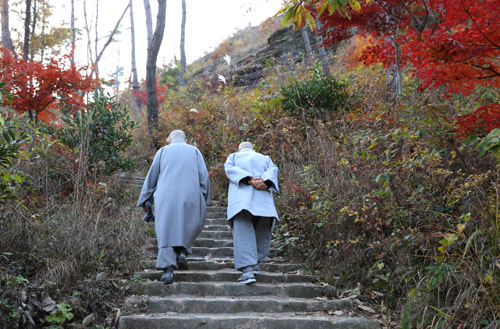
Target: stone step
x: 216, y: 234
x: 268, y: 304
x: 212, y: 265
x: 226, y: 275
x: 216, y: 209
x: 234, y: 289
x: 243, y: 321
x: 204, y: 242
x: 213, y: 243
x: 219, y: 227
x: 215, y: 252
x: 198, y: 251
x: 216, y: 221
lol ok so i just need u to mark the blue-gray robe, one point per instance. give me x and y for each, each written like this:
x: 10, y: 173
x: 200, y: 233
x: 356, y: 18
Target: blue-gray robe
x: 248, y: 163
x: 179, y: 183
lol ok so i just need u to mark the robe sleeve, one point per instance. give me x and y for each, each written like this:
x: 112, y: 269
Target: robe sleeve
x: 271, y: 174
x: 149, y: 186
x: 204, y: 178
x: 234, y: 173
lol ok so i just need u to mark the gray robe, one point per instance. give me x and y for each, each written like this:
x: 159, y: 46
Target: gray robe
x: 179, y: 183
x: 249, y: 163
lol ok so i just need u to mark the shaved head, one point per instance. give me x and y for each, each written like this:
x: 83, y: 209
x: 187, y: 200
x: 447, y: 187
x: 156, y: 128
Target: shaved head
x: 176, y: 134
x: 245, y: 146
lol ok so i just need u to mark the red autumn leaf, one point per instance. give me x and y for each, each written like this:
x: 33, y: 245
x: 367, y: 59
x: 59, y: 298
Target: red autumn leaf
x: 39, y: 88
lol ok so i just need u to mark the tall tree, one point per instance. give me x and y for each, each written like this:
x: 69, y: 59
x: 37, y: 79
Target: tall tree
x: 110, y: 38
x: 90, y: 57
x: 135, y: 80
x: 27, y: 20
x: 33, y: 25
x: 321, y: 50
x: 182, y: 71
x: 6, y: 39
x: 96, y: 34
x: 73, y: 32
x: 149, y: 21
x: 307, y: 42
x: 153, y: 48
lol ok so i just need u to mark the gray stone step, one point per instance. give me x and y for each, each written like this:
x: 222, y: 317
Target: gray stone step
x: 226, y: 275
x: 216, y: 221
x: 199, y: 251
x: 204, y: 242
x: 215, y: 252
x: 213, y: 243
x: 267, y: 304
x: 234, y: 289
x: 211, y: 227
x: 211, y: 265
x: 216, y: 234
x: 243, y: 321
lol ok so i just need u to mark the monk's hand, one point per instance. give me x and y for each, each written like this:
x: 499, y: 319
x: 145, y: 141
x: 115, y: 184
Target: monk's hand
x: 258, y: 183
x: 144, y: 209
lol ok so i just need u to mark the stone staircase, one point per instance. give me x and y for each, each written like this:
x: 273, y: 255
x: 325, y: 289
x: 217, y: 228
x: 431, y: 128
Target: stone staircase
x: 207, y: 295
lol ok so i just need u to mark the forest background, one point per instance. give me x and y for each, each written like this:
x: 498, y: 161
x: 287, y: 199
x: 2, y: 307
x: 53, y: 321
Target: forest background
x: 385, y: 127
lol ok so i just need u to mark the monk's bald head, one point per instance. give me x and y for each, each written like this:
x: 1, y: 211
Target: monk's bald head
x: 176, y: 134
x: 245, y: 146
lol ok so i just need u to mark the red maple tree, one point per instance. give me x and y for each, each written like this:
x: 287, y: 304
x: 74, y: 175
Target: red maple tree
x: 447, y: 42
x: 39, y: 88
x: 160, y: 92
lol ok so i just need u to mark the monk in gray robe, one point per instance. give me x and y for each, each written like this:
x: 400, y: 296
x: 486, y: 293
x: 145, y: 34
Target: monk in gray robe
x: 253, y: 178
x: 179, y: 185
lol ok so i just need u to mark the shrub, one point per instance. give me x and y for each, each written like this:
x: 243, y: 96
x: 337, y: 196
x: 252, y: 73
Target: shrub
x: 105, y: 126
x: 11, y: 140
x: 319, y: 97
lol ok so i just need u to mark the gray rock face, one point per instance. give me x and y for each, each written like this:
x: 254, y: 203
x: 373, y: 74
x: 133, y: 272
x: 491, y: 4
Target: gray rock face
x: 208, y: 296
x: 247, y: 68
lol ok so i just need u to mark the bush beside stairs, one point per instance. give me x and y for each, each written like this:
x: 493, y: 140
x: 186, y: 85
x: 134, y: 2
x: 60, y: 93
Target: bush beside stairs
x: 207, y: 295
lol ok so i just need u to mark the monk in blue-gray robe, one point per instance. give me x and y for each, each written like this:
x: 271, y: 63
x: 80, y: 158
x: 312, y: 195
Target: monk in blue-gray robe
x: 253, y: 178
x: 178, y: 182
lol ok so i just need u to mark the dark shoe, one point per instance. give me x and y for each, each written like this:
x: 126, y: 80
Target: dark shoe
x: 168, y: 276
x: 181, y: 261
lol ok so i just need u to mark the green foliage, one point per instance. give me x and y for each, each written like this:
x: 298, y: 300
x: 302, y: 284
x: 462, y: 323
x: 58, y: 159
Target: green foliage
x: 105, y: 128
x: 60, y: 315
x: 319, y: 97
x: 11, y: 140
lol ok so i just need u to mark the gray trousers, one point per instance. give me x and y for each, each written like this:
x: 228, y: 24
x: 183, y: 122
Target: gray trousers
x: 252, y: 239
x: 167, y: 257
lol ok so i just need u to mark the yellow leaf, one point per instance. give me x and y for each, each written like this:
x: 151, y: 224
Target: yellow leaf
x: 371, y: 146
x: 283, y: 9
x: 355, y: 5
x: 460, y: 228
x: 442, y: 249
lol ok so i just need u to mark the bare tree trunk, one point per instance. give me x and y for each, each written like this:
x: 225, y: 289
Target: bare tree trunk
x: 6, y: 39
x: 398, y: 83
x: 27, y: 21
x: 73, y: 32
x: 153, y: 49
x: 108, y: 41
x: 321, y: 50
x: 307, y: 42
x: 33, y: 26
x: 149, y: 21
x: 183, y: 51
x: 96, y: 35
x: 90, y: 58
x: 135, y: 81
